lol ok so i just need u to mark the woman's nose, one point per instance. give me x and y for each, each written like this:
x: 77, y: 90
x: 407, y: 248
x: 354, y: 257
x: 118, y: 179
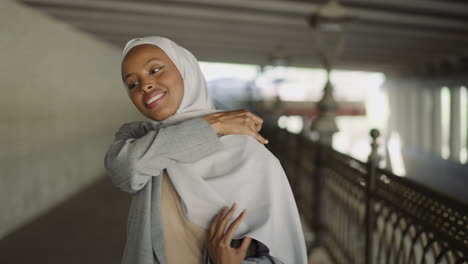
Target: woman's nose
x: 147, y: 87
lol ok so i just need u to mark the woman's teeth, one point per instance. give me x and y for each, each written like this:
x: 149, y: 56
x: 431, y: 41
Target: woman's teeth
x: 154, y: 98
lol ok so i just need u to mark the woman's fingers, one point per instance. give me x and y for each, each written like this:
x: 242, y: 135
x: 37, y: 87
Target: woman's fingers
x: 238, y: 112
x: 215, y: 222
x: 258, y: 121
x: 223, y: 222
x: 254, y: 132
x: 219, y: 247
x: 252, y: 118
x: 237, y: 122
x: 245, y: 244
x: 257, y: 136
x: 253, y: 126
x: 233, y: 226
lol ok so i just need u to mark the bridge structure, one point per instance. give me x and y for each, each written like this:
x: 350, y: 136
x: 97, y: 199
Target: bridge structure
x: 64, y: 101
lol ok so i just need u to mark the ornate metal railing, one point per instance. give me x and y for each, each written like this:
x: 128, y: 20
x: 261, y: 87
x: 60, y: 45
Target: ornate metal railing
x: 362, y: 214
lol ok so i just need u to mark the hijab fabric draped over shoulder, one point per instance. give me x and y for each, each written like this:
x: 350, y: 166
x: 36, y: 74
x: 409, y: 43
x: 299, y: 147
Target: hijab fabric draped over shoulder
x: 242, y: 171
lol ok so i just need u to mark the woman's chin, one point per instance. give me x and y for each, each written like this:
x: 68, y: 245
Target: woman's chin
x: 157, y: 114
x: 159, y: 117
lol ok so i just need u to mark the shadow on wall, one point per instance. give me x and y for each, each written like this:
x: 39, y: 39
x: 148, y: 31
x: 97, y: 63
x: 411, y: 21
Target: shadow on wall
x: 88, y: 228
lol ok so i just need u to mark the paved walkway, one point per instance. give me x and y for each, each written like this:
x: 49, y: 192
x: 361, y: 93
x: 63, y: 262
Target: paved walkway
x: 87, y: 229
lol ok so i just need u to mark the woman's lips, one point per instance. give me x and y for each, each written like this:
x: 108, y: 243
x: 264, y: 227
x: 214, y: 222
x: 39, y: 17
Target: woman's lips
x: 155, y: 103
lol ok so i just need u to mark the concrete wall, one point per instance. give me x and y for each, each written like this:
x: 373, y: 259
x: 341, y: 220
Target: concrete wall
x: 61, y: 103
x: 416, y: 112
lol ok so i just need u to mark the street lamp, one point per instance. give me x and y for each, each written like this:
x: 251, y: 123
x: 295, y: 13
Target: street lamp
x: 280, y: 61
x: 330, y: 26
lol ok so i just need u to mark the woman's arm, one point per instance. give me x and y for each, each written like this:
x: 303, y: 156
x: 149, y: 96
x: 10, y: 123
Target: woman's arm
x: 141, y: 150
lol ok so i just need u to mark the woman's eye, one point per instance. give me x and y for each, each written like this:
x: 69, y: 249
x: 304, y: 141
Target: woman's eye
x: 132, y: 85
x: 156, y: 70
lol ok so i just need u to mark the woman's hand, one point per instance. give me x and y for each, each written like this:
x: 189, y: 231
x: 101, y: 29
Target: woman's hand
x: 219, y: 242
x: 236, y: 122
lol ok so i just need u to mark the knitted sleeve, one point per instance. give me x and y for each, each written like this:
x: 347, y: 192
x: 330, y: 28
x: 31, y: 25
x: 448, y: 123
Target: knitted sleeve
x: 141, y: 150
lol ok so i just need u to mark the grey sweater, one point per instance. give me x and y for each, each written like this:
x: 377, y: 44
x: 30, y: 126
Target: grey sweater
x: 135, y: 162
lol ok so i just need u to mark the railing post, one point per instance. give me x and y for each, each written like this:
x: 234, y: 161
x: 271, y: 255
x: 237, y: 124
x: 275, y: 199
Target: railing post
x: 317, y: 192
x: 297, y: 162
x: 373, y: 162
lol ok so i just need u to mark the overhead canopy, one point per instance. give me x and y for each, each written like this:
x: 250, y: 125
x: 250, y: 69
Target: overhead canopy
x: 387, y: 35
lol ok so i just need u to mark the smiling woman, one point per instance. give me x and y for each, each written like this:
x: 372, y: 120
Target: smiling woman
x: 191, y: 161
x: 154, y: 83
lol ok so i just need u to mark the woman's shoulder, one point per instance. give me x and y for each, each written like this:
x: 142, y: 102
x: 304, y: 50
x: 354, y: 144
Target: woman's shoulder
x: 136, y: 128
x: 135, y: 124
x: 248, y: 143
x: 239, y: 139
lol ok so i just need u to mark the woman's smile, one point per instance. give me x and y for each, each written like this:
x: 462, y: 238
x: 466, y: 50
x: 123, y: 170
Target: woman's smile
x: 154, y: 98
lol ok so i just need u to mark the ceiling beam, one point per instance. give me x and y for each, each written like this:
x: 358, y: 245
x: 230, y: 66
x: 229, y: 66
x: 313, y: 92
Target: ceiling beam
x: 427, y: 7
x: 100, y: 17
x: 382, y: 49
x: 279, y: 20
x: 306, y: 8
x: 203, y: 54
x: 388, y: 34
x: 278, y: 36
x: 258, y: 52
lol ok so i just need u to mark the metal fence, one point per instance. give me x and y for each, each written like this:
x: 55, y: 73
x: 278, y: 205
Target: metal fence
x: 362, y: 214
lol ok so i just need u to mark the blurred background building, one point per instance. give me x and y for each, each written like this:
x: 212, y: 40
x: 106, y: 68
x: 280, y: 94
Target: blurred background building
x: 397, y: 66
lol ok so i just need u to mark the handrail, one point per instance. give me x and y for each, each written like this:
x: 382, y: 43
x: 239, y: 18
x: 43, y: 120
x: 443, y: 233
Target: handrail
x: 363, y: 214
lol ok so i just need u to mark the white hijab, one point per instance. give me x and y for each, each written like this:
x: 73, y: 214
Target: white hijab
x: 242, y: 171
x: 196, y: 101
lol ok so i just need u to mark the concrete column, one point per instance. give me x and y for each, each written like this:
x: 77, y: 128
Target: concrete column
x: 413, y: 123
x: 436, y: 122
x: 398, y: 109
x: 466, y: 116
x: 429, y: 119
x: 389, y: 90
x: 455, y: 126
x: 403, y: 113
x: 391, y: 125
x: 425, y: 120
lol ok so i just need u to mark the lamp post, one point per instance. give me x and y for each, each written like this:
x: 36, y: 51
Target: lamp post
x: 280, y: 61
x: 330, y: 26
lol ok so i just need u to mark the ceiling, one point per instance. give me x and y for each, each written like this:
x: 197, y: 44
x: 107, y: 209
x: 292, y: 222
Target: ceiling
x: 387, y: 35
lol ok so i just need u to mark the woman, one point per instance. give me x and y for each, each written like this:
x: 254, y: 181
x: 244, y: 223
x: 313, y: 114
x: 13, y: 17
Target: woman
x: 199, y: 170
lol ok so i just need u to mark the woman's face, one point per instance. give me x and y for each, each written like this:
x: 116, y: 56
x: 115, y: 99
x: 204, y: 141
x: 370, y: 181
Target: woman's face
x: 155, y: 84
